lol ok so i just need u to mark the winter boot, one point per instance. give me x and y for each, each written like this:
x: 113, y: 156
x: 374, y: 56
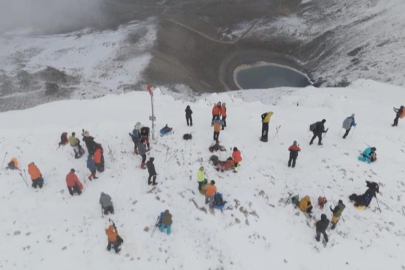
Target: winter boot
x: 136, y: 150
x: 143, y: 166
x: 90, y: 177
x: 320, y: 143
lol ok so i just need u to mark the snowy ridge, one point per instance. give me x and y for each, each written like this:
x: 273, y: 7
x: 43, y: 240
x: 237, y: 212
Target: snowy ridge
x: 57, y: 231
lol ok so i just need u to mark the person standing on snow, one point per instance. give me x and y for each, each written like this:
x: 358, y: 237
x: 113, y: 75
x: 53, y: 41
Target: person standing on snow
x: 321, y: 227
x: 75, y: 143
x: 142, y: 151
x: 224, y: 115
x: 106, y: 203
x: 400, y: 113
x: 151, y: 171
x: 237, y: 158
x: 318, y: 131
x: 201, y: 178
x: 145, y: 136
x: 92, y: 167
x: 89, y: 141
x: 112, y: 235
x: 135, y: 138
x: 265, y: 126
x: 294, y: 149
x: 348, y: 123
x: 36, y: 175
x: 166, y: 222
x: 216, y: 113
x: 337, y: 212
x: 73, y: 183
x: 211, y: 189
x: 217, y: 129
x: 189, y: 118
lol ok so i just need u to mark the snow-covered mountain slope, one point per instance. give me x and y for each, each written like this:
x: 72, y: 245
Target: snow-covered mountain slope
x: 49, y: 229
x: 82, y: 64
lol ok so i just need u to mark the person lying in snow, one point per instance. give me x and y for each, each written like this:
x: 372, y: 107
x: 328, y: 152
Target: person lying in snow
x: 365, y: 199
x: 229, y: 164
x: 165, y: 130
x: 369, y: 155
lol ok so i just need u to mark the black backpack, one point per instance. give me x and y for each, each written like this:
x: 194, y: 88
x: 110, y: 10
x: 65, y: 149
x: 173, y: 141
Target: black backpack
x: 313, y: 127
x: 187, y: 136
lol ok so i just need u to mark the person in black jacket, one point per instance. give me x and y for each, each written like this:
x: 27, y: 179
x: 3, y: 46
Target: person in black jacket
x: 189, y: 119
x: 399, y: 113
x: 151, y: 171
x: 321, y: 227
x: 320, y: 128
x: 89, y: 141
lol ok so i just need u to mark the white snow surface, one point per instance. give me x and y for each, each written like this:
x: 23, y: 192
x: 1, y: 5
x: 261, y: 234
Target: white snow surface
x: 255, y: 231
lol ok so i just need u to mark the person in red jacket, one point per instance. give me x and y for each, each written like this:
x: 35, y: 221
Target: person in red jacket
x: 223, y: 113
x: 237, y: 157
x: 216, y: 112
x: 73, y: 183
x: 294, y: 149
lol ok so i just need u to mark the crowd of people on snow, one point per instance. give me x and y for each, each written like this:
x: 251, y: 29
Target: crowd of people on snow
x: 222, y: 162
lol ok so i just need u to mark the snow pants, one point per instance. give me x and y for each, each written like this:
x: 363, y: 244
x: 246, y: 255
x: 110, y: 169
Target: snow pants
x: 318, y: 236
x: 74, y: 189
x: 39, y: 182
x: 346, y: 133
x: 319, y: 135
x: 150, y: 178
x: 216, y: 136
x: 114, y: 245
x: 189, y: 120
x: 108, y: 209
x: 293, y: 160
x: 223, y: 122
x: 396, y: 121
x: 168, y: 227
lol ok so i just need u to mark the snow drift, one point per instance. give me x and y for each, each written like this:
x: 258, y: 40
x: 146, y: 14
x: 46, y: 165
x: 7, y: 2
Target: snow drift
x: 49, y: 229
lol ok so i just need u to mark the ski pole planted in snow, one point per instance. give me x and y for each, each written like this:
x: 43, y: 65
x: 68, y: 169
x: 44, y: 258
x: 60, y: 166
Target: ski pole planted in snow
x: 24, y: 179
x: 277, y: 130
x: 288, y: 199
x: 3, y: 161
x: 378, y: 204
x: 383, y: 203
x: 351, y: 135
x: 156, y: 225
x: 25, y: 176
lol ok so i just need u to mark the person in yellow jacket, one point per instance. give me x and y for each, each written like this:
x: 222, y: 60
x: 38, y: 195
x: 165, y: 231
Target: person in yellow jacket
x: 305, y: 204
x: 265, y: 126
x: 201, y: 178
x: 217, y: 129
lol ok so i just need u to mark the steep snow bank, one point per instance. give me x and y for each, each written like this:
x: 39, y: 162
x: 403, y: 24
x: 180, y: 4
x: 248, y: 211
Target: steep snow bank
x: 58, y: 231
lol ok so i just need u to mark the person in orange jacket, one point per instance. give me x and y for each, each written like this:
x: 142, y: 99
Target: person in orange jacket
x: 211, y: 189
x: 217, y: 129
x: 113, y: 237
x: 73, y: 183
x: 224, y: 115
x: 98, y: 158
x: 216, y: 112
x: 36, y: 175
x: 13, y: 164
x: 237, y: 157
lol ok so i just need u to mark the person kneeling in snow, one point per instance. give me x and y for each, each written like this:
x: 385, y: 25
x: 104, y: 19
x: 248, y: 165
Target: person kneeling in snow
x: 225, y: 165
x: 365, y: 199
x: 75, y: 143
x: 166, y: 222
x: 369, y: 155
x: 106, y: 203
x: 73, y: 183
x: 305, y: 205
x: 63, y: 139
x: 321, y: 227
x: 13, y: 164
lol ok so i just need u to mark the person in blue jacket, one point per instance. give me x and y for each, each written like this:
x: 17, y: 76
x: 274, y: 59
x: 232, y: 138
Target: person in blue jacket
x: 92, y: 167
x: 348, y: 123
x: 369, y: 155
x: 135, y: 138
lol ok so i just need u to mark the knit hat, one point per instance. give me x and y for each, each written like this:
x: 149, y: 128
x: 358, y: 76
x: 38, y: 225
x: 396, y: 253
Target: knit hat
x: 295, y: 142
x: 72, y: 170
x: 86, y: 133
x: 212, y: 182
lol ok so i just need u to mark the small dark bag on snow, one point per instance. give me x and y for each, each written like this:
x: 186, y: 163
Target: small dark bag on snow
x: 187, y: 136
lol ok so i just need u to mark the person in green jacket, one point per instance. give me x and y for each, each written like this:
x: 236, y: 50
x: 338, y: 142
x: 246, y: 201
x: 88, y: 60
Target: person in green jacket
x: 337, y: 212
x: 201, y: 178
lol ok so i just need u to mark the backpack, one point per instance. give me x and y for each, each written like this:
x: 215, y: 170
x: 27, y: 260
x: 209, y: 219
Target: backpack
x: 402, y: 114
x: 313, y: 127
x: 214, y: 159
x: 187, y: 136
x: 218, y: 200
x: 295, y: 199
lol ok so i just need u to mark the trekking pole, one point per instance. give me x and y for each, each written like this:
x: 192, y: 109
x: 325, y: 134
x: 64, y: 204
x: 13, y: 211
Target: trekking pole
x: 351, y: 135
x: 326, y: 132
x: 3, y: 161
x: 154, y: 228
x: 378, y: 204
x: 384, y: 203
x: 288, y: 199
x: 277, y: 129
x: 24, y: 179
